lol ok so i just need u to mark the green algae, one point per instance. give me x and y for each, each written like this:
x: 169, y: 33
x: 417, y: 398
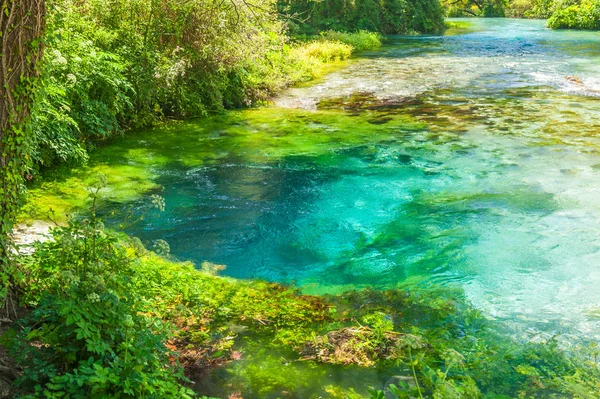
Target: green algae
x: 432, y: 319
x: 268, y: 354
x: 261, y: 136
x: 267, y: 135
x: 63, y: 193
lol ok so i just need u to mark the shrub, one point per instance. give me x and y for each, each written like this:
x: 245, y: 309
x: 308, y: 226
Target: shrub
x: 545, y: 8
x: 585, y: 15
x: 91, y: 335
x: 87, y: 343
x: 360, y: 41
x: 127, y: 64
x: 324, y: 51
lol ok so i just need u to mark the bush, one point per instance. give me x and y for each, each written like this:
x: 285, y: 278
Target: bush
x: 561, y: 14
x: 113, y: 67
x: 580, y: 16
x: 84, y: 93
x: 91, y: 335
x: 360, y: 41
x: 95, y: 344
x: 324, y: 51
x: 544, y: 8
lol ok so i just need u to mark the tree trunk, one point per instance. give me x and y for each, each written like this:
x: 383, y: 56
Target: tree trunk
x: 22, y: 24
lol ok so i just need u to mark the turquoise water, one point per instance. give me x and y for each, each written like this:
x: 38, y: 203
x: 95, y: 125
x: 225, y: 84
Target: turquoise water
x: 470, y: 159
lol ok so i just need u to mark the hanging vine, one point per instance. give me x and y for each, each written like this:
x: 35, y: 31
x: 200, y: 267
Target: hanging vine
x: 22, y: 24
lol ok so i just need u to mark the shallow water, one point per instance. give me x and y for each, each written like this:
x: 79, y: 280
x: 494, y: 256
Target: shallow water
x: 470, y: 159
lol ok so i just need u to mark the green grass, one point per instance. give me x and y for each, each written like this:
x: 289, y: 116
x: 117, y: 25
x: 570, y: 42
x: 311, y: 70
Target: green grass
x: 360, y: 41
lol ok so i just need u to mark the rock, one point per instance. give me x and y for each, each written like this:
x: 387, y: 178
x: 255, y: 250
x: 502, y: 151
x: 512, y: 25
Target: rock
x: 574, y: 79
x: 24, y: 235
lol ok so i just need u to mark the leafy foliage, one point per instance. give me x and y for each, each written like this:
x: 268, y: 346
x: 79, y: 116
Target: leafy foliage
x: 125, y: 65
x: 112, y: 68
x: 479, y: 8
x: 360, y: 41
x: 585, y: 15
x: 95, y: 344
x: 89, y: 335
x: 84, y: 91
x: 387, y: 17
x: 561, y: 14
x: 325, y: 52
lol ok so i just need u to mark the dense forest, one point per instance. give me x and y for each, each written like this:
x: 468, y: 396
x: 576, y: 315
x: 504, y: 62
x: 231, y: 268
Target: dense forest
x: 95, y: 313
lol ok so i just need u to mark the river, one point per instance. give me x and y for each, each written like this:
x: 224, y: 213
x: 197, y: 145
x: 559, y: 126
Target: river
x: 470, y: 160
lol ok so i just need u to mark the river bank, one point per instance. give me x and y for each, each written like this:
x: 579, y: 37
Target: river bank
x: 255, y: 339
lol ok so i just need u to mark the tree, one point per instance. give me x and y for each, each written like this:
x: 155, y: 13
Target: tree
x: 478, y: 8
x: 22, y: 24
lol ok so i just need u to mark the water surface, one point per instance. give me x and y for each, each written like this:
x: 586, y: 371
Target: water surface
x: 470, y: 159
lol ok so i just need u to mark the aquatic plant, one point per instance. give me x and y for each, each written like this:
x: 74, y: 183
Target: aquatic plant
x: 257, y: 338
x: 133, y: 164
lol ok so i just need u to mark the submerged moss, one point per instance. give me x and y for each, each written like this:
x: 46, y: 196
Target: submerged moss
x: 64, y: 193
x: 256, y: 340
x: 267, y: 136
x: 298, y: 346
x: 262, y: 137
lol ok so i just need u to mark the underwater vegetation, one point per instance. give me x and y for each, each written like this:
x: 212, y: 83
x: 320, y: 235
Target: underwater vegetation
x: 256, y: 339
x: 132, y: 164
